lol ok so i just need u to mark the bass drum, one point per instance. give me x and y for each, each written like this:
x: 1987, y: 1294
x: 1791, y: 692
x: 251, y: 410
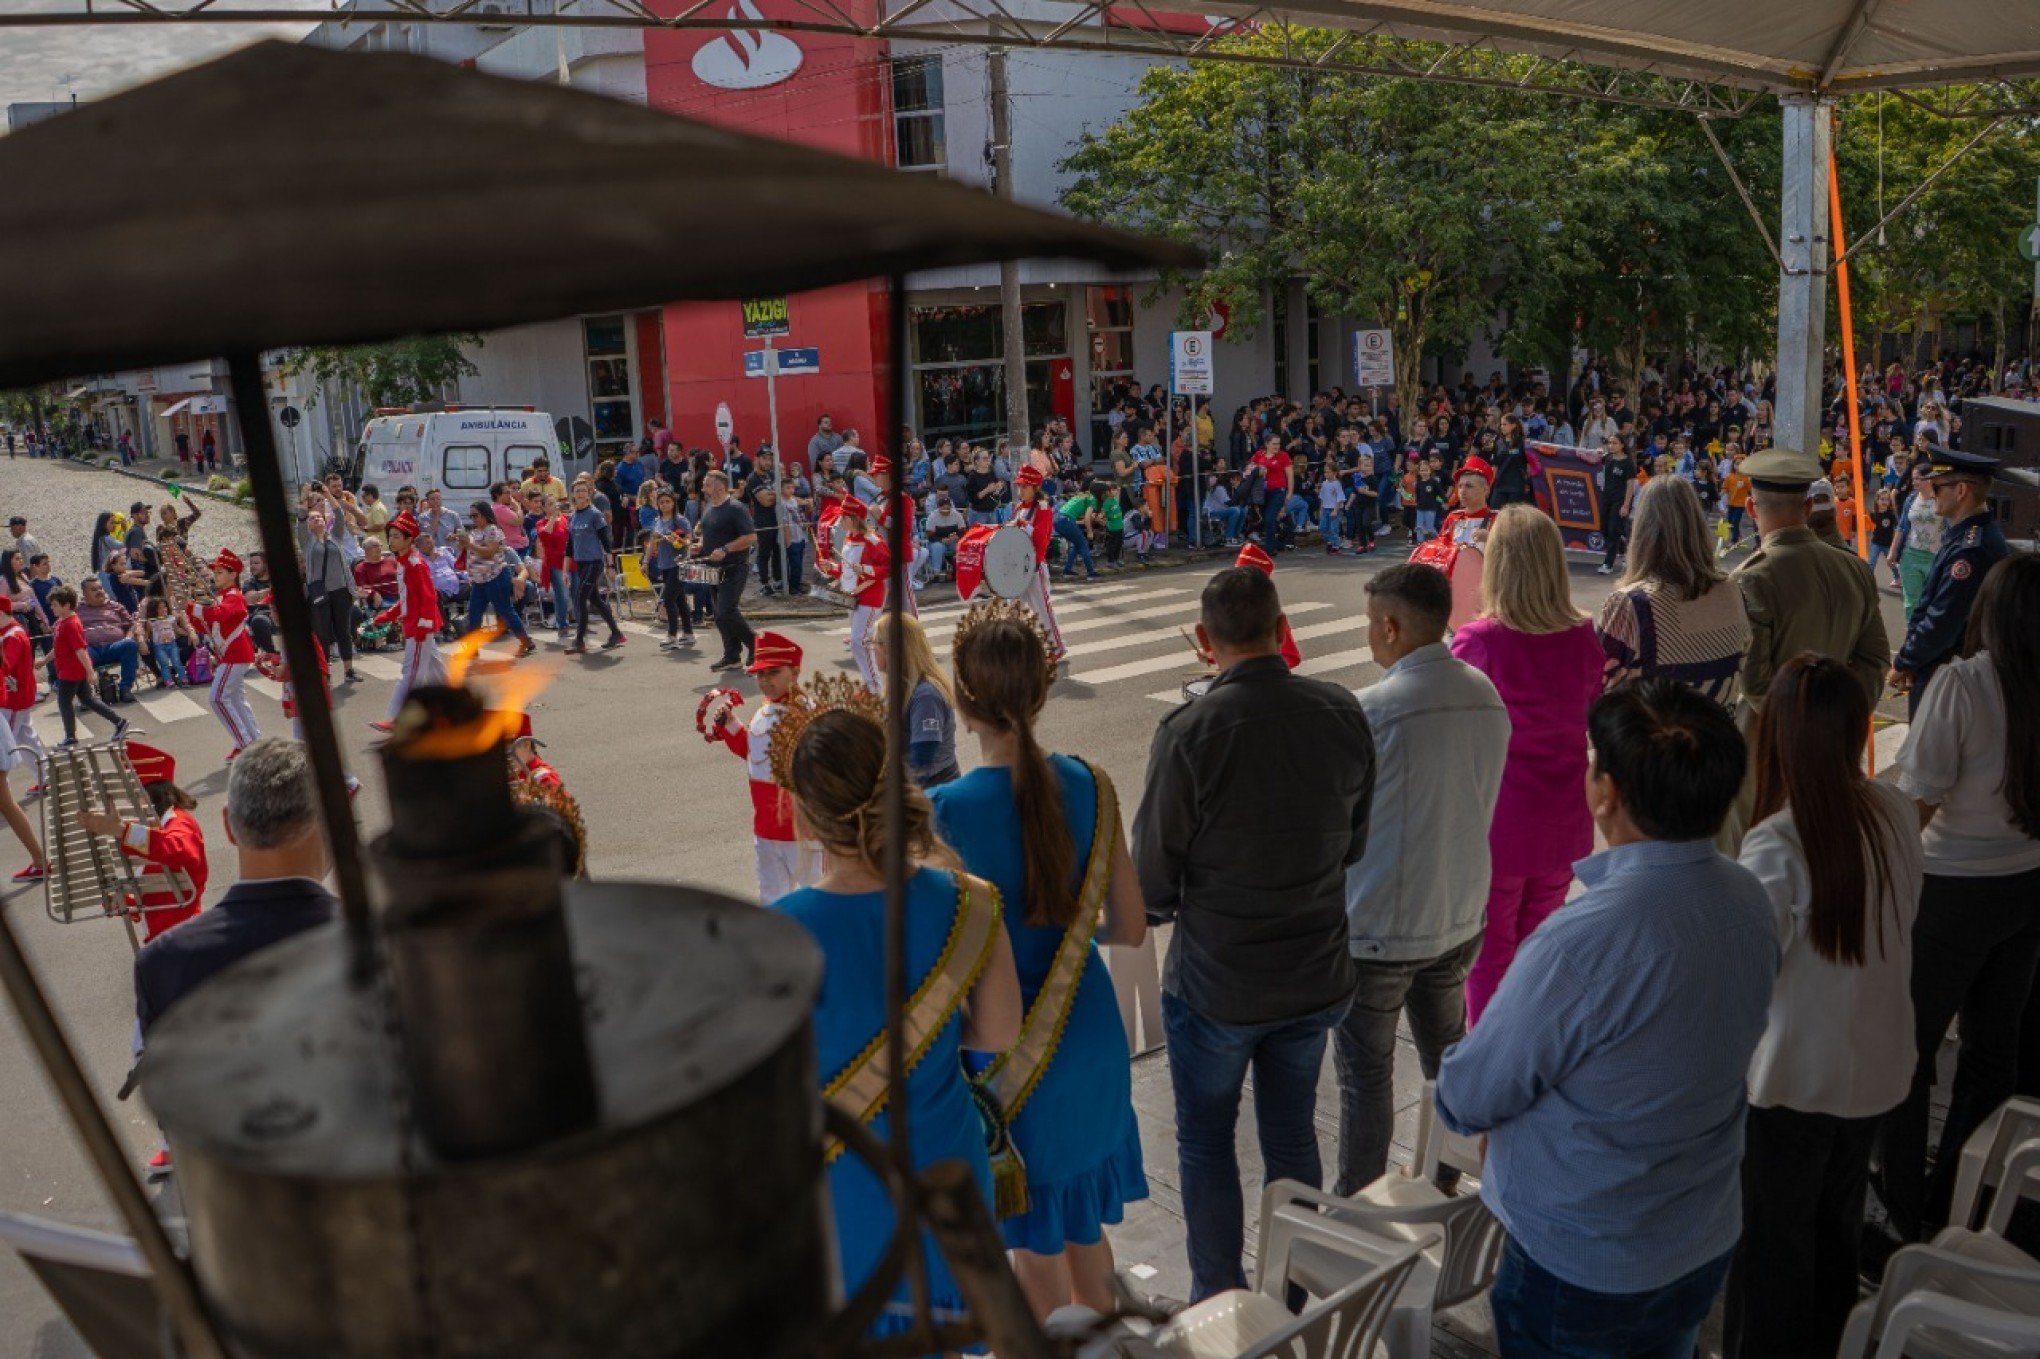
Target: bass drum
x: 1009, y: 561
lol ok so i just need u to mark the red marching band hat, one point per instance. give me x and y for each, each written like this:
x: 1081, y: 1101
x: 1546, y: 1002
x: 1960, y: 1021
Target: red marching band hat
x: 1479, y: 467
x: 881, y: 465
x: 405, y: 523
x: 227, y: 562
x: 774, y: 651
x: 854, y: 507
x: 1029, y: 475
x: 151, y: 765
x: 1253, y: 555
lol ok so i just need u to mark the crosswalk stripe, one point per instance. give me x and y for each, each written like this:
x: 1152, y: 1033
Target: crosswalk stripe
x: 1336, y: 660
x: 1063, y: 603
x: 268, y: 688
x: 379, y: 667
x: 1176, y: 659
x: 1145, y: 637
x: 168, y: 705
x: 1175, y: 609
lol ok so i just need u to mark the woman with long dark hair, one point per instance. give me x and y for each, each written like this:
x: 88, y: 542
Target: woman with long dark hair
x: 1839, y: 855
x: 1046, y: 830
x: 103, y: 540
x: 1971, y: 760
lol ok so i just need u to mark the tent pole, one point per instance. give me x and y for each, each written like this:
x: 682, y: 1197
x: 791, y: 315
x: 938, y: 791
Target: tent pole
x: 1802, y: 281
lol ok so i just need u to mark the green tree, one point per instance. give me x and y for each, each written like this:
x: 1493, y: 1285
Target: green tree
x: 396, y: 373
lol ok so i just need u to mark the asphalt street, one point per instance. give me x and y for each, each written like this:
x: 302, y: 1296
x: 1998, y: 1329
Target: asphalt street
x: 660, y: 804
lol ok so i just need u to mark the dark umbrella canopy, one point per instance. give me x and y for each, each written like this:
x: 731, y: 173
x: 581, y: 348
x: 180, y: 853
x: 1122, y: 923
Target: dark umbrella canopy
x: 292, y: 195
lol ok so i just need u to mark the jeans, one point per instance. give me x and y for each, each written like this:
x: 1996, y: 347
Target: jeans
x: 796, y: 561
x: 1794, y: 1277
x: 1515, y: 907
x: 1329, y: 526
x: 936, y: 552
x: 739, y: 642
x: 1433, y: 991
x: 563, y: 599
x: 124, y: 651
x: 1080, y: 546
x: 1427, y: 525
x: 1975, y: 946
x: 1540, y: 1316
x: 1208, y: 1064
x: 496, y: 593
x: 1231, y: 520
x: 168, y: 658
x: 978, y: 517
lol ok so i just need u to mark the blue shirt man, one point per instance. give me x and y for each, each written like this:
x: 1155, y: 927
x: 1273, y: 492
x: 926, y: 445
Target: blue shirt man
x: 1608, y: 1071
x: 631, y: 473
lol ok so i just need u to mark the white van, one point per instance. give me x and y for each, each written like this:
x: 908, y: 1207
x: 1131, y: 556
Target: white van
x: 461, y: 451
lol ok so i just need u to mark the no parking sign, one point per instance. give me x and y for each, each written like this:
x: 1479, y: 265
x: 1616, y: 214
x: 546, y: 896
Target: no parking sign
x: 1373, y: 358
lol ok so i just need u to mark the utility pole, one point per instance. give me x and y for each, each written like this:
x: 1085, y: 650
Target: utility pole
x: 1015, y: 342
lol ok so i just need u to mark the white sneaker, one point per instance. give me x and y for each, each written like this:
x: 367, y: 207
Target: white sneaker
x: 1604, y: 570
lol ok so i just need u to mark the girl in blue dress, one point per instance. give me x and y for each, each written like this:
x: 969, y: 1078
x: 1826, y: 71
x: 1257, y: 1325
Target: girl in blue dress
x: 1045, y: 830
x: 834, y: 773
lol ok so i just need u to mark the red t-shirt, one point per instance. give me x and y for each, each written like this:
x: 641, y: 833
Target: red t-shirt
x: 552, y: 542
x: 1276, y: 465
x: 70, y: 640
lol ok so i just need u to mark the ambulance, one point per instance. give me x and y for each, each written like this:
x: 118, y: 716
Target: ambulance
x: 459, y: 450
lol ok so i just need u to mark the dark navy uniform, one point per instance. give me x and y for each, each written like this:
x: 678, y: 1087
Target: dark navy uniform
x: 248, y: 919
x: 1968, y: 551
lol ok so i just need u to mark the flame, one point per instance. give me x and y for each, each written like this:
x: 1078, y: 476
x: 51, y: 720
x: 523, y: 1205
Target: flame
x: 509, y: 694
x: 466, y: 649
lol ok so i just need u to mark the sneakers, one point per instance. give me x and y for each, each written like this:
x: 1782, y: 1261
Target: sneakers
x: 1604, y: 570
x: 524, y: 648
x: 124, y: 729
x: 616, y: 639
x: 30, y: 793
x: 383, y: 724
x: 33, y: 873
x: 159, y: 1166
x: 577, y: 649
x: 669, y: 643
x: 233, y: 754
x: 727, y: 663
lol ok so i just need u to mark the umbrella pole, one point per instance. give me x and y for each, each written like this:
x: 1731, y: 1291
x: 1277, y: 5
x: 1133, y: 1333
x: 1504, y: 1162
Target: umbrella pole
x: 291, y: 605
x: 169, y: 1275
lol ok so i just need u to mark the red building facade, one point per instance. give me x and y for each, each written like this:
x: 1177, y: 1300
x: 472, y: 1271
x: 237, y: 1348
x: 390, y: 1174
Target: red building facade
x: 819, y: 90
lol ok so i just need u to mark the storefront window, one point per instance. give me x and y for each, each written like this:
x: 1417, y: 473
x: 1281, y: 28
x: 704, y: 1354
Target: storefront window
x: 959, y: 377
x: 1108, y: 317
x: 612, y: 399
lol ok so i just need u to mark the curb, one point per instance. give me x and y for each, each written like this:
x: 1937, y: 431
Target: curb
x: 157, y: 481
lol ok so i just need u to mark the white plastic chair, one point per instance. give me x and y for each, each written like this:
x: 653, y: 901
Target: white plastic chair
x: 1942, y: 1303
x: 99, y: 1280
x: 1240, y: 1324
x: 1984, y: 1155
x: 1461, y: 1241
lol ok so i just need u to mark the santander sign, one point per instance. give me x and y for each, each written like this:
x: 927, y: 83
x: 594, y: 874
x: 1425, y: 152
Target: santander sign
x: 746, y: 58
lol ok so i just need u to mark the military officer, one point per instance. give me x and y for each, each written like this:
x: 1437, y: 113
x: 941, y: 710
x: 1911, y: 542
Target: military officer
x: 1801, y: 595
x: 1972, y: 545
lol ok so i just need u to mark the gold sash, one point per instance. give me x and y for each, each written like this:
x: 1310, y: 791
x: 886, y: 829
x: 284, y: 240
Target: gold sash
x: 859, y: 1089
x: 1012, y: 1077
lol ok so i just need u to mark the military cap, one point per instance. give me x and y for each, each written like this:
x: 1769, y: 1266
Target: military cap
x: 1953, y: 462
x: 1781, y: 469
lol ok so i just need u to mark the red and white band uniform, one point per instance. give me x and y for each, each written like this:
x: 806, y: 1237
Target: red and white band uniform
x: 784, y: 862
x: 274, y: 666
x: 881, y: 528
x: 18, y: 739
x: 224, y: 625
x: 174, y: 843
x: 865, y: 563
x: 1039, y: 520
x: 417, y: 610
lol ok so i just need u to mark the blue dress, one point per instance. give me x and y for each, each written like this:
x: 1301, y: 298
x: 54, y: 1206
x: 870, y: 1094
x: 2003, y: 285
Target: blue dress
x: 1077, y: 1132
x: 942, y: 1120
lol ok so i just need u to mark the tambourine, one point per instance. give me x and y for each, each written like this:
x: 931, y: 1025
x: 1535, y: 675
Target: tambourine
x: 730, y: 700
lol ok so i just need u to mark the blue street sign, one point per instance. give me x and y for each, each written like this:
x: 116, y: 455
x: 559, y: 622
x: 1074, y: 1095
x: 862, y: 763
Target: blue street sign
x: 789, y: 362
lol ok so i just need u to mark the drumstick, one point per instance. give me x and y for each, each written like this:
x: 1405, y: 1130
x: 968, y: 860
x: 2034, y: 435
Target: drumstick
x: 1199, y: 652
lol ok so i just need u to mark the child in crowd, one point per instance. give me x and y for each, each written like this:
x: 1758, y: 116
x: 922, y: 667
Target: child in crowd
x: 72, y: 660
x: 1331, y: 503
x: 169, y: 637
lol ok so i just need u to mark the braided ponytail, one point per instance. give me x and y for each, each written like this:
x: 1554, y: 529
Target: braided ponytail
x: 1002, y: 682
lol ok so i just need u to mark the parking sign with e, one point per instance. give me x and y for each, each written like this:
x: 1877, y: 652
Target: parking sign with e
x: 1190, y: 362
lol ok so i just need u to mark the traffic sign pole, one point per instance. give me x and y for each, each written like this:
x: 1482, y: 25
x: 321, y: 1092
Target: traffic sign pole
x: 778, y: 458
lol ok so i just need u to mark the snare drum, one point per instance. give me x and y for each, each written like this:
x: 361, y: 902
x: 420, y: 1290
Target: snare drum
x: 701, y: 573
x: 1198, y: 688
x: 832, y: 595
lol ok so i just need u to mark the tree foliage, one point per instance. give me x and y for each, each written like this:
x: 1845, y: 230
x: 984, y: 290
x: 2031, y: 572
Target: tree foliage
x: 396, y: 373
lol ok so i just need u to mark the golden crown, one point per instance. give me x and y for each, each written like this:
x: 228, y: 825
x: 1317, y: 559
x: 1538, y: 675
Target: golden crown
x: 988, y: 611
x: 830, y: 693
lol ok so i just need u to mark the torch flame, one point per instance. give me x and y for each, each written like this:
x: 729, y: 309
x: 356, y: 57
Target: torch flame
x: 509, y: 695
x: 466, y: 649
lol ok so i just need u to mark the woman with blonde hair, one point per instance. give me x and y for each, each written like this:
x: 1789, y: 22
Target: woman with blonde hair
x: 1674, y: 614
x: 959, y: 972
x: 931, y: 705
x: 1544, y: 659
x: 1046, y: 829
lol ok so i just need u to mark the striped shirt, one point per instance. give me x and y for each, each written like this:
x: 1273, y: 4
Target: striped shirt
x: 1609, y: 1068
x: 1648, y: 632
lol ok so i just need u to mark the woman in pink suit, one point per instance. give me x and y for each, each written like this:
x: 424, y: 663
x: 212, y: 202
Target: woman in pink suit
x: 1544, y: 658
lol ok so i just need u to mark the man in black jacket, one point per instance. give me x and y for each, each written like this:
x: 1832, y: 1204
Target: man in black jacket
x: 1256, y: 804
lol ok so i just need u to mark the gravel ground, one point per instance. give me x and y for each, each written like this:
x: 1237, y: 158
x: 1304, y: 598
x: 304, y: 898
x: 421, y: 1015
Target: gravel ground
x: 62, y: 499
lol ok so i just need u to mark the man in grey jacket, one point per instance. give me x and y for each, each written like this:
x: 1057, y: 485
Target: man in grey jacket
x: 1415, y: 901
x: 1255, y: 806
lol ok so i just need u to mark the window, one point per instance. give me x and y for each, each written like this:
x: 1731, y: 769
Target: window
x: 917, y: 114
x: 612, y: 399
x: 464, y: 467
x: 1108, y: 316
x: 959, y: 373
x: 518, y: 457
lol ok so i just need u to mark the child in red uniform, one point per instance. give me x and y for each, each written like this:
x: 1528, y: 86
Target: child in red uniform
x: 272, y: 665
x: 1032, y: 512
x: 225, y: 625
x: 881, y: 473
x: 784, y: 863
x: 73, y: 663
x: 417, y: 610
x: 18, y: 741
x: 863, y: 574
x: 172, y: 842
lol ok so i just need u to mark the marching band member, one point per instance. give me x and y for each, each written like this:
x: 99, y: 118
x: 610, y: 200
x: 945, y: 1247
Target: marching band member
x: 173, y: 842
x: 224, y: 624
x: 784, y: 863
x: 865, y: 563
x: 18, y: 741
x: 272, y: 665
x: 417, y: 607
x: 524, y: 755
x: 1468, y: 525
x: 1253, y: 555
x: 881, y: 473
x: 1031, y: 511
